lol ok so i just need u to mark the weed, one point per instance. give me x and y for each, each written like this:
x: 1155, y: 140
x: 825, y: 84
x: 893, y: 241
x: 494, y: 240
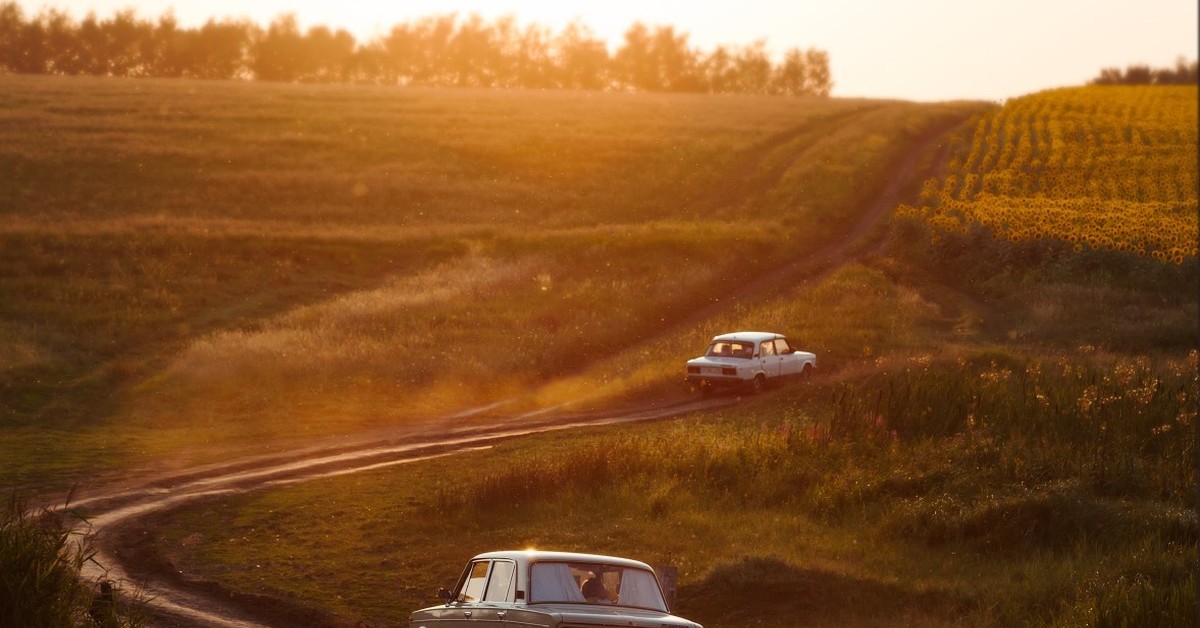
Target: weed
x: 42, y: 554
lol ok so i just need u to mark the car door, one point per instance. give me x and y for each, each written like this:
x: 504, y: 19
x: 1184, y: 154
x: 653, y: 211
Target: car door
x: 770, y: 360
x: 471, y: 606
x: 499, y: 596
x: 789, y: 364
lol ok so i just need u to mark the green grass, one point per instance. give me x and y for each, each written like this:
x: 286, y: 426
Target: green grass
x: 193, y: 266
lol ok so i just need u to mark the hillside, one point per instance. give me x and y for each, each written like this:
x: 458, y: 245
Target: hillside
x: 997, y: 445
x: 190, y: 267
x: 1002, y: 432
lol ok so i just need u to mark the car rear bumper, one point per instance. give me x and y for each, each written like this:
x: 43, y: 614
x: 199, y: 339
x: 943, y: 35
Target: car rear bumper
x: 715, y: 381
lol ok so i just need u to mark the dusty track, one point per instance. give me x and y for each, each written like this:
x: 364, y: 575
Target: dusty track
x: 120, y: 512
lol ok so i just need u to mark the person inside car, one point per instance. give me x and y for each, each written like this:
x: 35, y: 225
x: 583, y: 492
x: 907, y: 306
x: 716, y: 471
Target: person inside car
x: 593, y: 590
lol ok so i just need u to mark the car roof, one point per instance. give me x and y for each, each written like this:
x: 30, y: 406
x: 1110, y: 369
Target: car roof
x: 532, y: 556
x: 748, y: 336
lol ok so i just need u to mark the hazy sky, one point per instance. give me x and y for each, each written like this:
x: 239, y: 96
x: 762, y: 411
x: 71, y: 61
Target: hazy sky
x: 911, y: 49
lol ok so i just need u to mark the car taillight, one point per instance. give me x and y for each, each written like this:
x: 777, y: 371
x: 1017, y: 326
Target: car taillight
x: 728, y: 371
x: 693, y: 369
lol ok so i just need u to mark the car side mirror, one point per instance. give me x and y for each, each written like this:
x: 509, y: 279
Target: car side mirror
x: 446, y: 595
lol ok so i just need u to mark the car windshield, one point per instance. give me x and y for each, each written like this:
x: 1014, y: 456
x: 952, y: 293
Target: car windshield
x: 594, y: 583
x: 731, y: 349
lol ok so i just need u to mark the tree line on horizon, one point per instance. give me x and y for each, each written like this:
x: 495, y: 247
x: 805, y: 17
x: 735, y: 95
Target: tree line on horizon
x: 1184, y: 73
x: 436, y: 51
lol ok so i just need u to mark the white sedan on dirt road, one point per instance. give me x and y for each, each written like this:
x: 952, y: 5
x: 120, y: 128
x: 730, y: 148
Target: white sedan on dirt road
x: 540, y: 589
x: 750, y: 359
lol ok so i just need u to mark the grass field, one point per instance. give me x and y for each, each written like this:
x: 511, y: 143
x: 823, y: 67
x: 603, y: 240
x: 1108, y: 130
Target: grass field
x: 188, y: 271
x: 188, y: 266
x: 828, y: 505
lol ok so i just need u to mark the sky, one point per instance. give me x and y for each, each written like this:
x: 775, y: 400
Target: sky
x: 923, y: 50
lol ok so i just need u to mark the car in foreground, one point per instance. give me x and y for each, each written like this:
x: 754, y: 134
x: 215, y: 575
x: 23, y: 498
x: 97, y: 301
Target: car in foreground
x: 748, y: 359
x: 551, y: 589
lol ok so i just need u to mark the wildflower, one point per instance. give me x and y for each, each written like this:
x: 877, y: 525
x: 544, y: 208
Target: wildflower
x: 1144, y: 394
x: 995, y: 375
x: 1087, y: 399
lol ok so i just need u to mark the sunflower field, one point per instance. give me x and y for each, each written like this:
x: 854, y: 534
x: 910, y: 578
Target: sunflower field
x: 1100, y: 167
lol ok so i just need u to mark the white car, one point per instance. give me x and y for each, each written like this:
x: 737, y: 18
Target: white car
x: 751, y: 359
x: 539, y: 589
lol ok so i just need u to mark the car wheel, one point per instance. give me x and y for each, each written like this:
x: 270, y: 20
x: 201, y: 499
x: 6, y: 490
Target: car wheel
x: 807, y: 372
x: 758, y: 385
x: 706, y: 389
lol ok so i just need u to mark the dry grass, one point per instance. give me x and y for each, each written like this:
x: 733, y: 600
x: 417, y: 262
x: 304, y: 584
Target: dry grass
x: 202, y: 262
x: 842, y: 504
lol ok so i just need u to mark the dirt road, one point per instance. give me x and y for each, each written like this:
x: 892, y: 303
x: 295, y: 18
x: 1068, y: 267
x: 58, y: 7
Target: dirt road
x: 118, y: 512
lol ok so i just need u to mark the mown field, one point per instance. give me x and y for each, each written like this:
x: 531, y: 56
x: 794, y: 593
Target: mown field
x: 1000, y: 434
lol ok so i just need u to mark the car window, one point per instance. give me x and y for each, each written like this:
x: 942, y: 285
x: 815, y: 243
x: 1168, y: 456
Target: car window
x: 472, y: 588
x: 781, y: 346
x: 731, y: 349
x: 768, y: 348
x: 591, y: 583
x: 501, y: 584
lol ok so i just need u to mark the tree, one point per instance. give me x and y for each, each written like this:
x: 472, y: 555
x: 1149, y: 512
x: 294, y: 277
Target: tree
x: 12, y: 20
x: 399, y: 52
x: 434, y: 51
x: 752, y: 69
x: 435, y: 36
x: 1184, y: 73
x: 1108, y: 76
x: 327, y: 56
x: 123, y: 39
x: 221, y: 50
x: 634, y: 64
x: 674, y: 63
x: 819, y: 78
x: 58, y: 37
x: 718, y: 72
x: 791, y: 77
x: 531, y: 59
x: 28, y: 54
x: 1138, y: 75
x: 582, y: 58
x: 657, y: 60
x: 167, y: 51
x: 279, y: 53
x: 468, y: 55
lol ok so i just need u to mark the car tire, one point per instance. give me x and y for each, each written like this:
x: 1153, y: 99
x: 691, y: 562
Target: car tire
x: 758, y: 385
x: 807, y: 372
x: 706, y: 389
